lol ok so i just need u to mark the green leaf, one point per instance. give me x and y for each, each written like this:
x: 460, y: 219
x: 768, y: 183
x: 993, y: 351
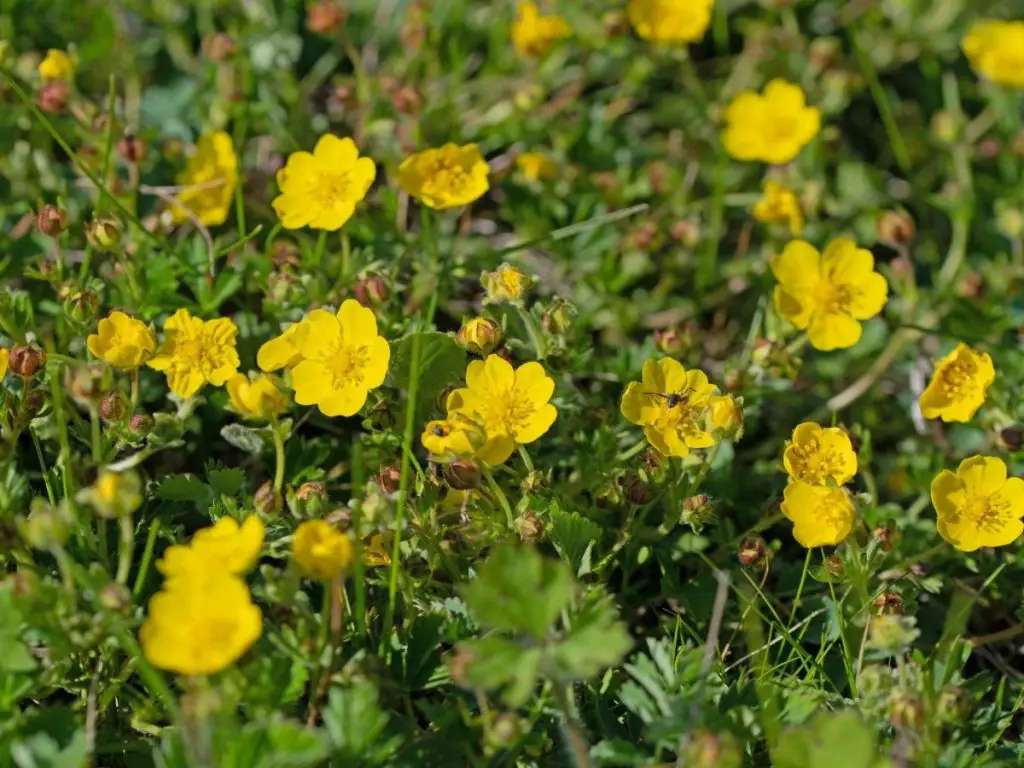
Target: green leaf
x: 422, y: 656
x: 290, y: 745
x: 14, y: 654
x: 185, y: 488
x: 519, y: 591
x: 355, y: 724
x: 50, y: 738
x: 596, y: 640
x: 442, y: 363
x: 244, y: 438
x: 574, y: 537
x: 498, y: 663
x: 817, y: 745
x: 225, y: 482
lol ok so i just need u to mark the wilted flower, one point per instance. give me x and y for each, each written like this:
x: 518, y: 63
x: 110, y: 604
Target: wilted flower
x: 820, y: 455
x: 122, y: 341
x: 321, y: 551
x: 671, y: 404
x: 670, y: 21
x: 534, y: 34
x: 822, y: 516
x: 978, y: 506
x: 257, y: 397
x: 445, y: 178
x: 506, y: 283
x: 772, y: 127
x: 320, y: 190
x: 996, y: 50
x: 196, y: 352
x: 828, y: 294
x: 57, y: 65
x: 780, y: 205
x: 209, y: 179
x: 958, y: 386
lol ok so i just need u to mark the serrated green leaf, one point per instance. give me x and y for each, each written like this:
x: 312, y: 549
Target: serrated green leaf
x: 519, y: 591
x: 574, y: 537
x: 442, y: 363
x: 226, y: 482
x: 355, y: 724
x: 185, y: 488
x: 596, y: 640
x: 501, y: 664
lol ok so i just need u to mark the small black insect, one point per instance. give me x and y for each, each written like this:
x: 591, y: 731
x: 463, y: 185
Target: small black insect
x: 673, y: 399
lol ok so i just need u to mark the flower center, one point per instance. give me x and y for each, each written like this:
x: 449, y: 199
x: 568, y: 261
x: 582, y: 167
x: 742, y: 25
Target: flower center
x: 988, y: 513
x: 329, y: 189
x: 833, y: 298
x: 347, y: 364
x: 779, y: 128
x: 506, y: 411
x: 958, y: 380
x: 445, y: 174
x: 815, y: 463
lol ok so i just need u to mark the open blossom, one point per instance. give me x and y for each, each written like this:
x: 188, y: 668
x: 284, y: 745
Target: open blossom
x: 821, y: 516
x: 457, y: 436
x: 445, y: 178
x: 196, y: 352
x: 771, y: 127
x: 122, y: 341
x: 670, y: 21
x: 958, y: 386
x: 224, y: 547
x: 672, y: 405
x: 978, y: 506
x: 512, y: 406
x: 780, y: 205
x: 533, y: 34
x: 996, y: 50
x: 200, y: 627
x: 320, y: 550
x: 819, y: 455
x: 335, y: 359
x: 828, y: 294
x: 321, y: 190
x: 256, y: 398
x: 57, y: 65
x: 209, y: 179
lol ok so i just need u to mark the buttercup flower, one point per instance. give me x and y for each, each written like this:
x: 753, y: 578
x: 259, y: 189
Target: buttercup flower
x: 958, y: 386
x: 671, y: 404
x: 56, y: 66
x: 224, y: 547
x: 828, y: 294
x: 772, y: 127
x: 821, y: 516
x: 199, y: 628
x: 320, y: 550
x: 670, y: 21
x: 820, y: 455
x: 534, y: 34
x: 114, y: 494
x: 996, y: 50
x: 257, y: 398
x: 536, y: 166
x: 320, y: 190
x: 122, y: 341
x: 978, y: 506
x: 209, y: 179
x: 280, y: 352
x: 511, y: 405
x: 506, y: 283
x: 725, y: 415
x: 457, y: 436
x: 480, y: 335
x: 779, y: 206
x: 445, y: 178
x: 5, y: 361
x: 196, y: 352
x: 342, y: 359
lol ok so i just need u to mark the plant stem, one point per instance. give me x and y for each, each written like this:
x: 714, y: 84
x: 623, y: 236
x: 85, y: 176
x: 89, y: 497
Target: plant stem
x: 279, y: 459
x: 579, y: 750
x: 534, y: 332
x: 124, y: 556
x: 147, y: 556
x: 500, y: 495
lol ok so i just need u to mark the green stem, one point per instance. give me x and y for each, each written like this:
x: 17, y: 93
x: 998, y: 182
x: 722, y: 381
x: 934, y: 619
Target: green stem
x: 147, y: 557
x: 526, y: 458
x: 892, y: 128
x: 346, y: 256
x: 579, y: 750
x: 127, y: 546
x: 321, y: 246
x: 534, y: 332
x: 279, y: 459
x: 500, y: 495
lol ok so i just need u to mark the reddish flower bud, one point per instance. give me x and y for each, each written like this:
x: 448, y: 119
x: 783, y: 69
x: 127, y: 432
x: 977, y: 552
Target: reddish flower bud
x: 26, y: 360
x: 51, y: 221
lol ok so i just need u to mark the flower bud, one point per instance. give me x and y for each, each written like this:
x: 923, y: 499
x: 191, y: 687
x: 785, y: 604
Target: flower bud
x: 390, y: 479
x: 945, y: 127
x: 51, y: 221
x: 698, y: 511
x: 381, y: 417
x: 103, y: 234
x: 112, y: 407
x: 372, y: 291
x: 534, y: 481
x: 892, y: 634
x: 834, y: 566
x: 325, y: 16
x: 906, y: 712
x: 506, y: 283
x: 953, y: 704
x: 754, y: 553
x: 1011, y: 438
x: 673, y: 342
x: 896, y: 228
x: 219, y: 46
x: 504, y: 731
x: 46, y: 527
x: 116, y: 598
x: 53, y: 96
x: 266, y: 500
x: 888, y: 536
x: 141, y: 424
x: 637, y: 492
x: 26, y: 360
x: 82, y: 305
x: 131, y: 149
x: 407, y: 100
x: 480, y: 335
x: 312, y: 497
x: 558, y: 317
x: 1009, y: 221
x: 462, y: 475
x: 529, y: 525
x: 114, y: 494
x: 85, y: 383
x: 888, y: 603
x: 704, y: 749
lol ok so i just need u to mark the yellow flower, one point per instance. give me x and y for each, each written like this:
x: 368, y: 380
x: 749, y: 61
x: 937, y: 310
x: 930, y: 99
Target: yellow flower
x: 821, y: 516
x: 122, y: 341
x: 671, y: 404
x: 5, y: 361
x: 536, y: 166
x: 533, y: 34
x: 457, y: 436
x: 506, y: 283
x: 511, y: 405
x: 996, y: 50
x: 480, y: 335
x: 258, y: 398
x: 375, y: 553
x: 778, y: 206
x: 670, y: 21
x: 199, y: 628
x: 338, y: 358
x: 445, y: 178
x: 978, y: 506
x: 828, y: 294
x: 210, y: 177
x: 196, y: 352
x: 320, y: 550
x: 771, y: 128
x: 56, y: 66
x: 820, y: 455
x: 224, y: 547
x: 114, y: 494
x: 725, y: 414
x: 958, y: 386
x: 280, y: 352
x: 320, y: 190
